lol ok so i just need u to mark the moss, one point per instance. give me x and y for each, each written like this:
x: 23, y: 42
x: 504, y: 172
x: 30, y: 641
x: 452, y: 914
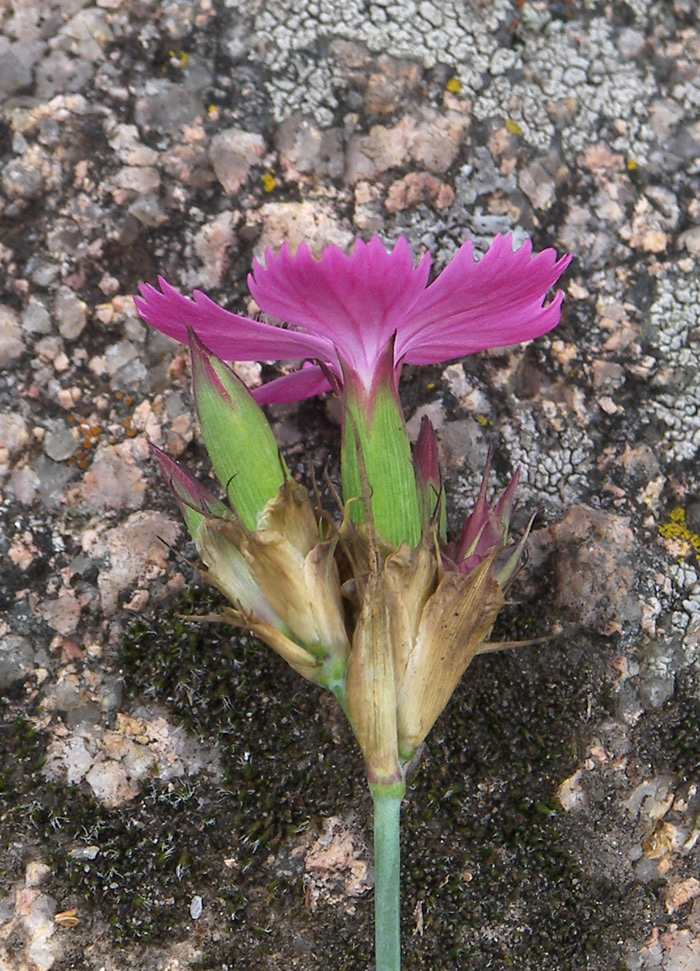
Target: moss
x: 21, y: 757
x: 668, y: 739
x: 230, y: 690
x: 490, y: 862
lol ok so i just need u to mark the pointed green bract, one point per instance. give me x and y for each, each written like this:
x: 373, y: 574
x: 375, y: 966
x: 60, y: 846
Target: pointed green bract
x: 374, y: 424
x: 237, y: 435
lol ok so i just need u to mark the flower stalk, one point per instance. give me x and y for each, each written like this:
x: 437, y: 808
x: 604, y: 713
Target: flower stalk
x: 387, y: 874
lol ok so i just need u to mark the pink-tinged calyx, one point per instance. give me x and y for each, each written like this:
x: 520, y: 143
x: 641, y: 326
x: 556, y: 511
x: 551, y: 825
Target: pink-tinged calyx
x: 196, y: 502
x: 486, y: 530
x: 428, y: 478
x: 350, y: 307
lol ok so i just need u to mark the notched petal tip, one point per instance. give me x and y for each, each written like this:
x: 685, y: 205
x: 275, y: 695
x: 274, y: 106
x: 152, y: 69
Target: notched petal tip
x: 493, y: 302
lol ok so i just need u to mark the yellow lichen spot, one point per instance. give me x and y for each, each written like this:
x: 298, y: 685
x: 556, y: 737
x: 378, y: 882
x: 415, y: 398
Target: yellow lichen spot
x: 632, y: 166
x: 454, y: 86
x: 677, y: 528
x: 179, y: 58
x: 512, y: 127
x: 269, y: 182
x: 660, y: 842
x: 484, y: 421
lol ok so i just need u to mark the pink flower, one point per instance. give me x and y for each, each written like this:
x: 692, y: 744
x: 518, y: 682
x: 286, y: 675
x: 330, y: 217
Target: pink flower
x: 348, y: 308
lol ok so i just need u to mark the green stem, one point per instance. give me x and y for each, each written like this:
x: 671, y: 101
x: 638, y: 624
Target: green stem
x: 387, y: 874
x: 333, y: 677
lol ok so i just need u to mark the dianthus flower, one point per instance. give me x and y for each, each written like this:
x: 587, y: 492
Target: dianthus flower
x: 344, y: 310
x: 380, y: 608
x: 354, y: 321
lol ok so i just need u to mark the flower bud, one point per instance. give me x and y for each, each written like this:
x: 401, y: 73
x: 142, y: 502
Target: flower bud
x: 428, y: 478
x: 486, y: 528
x: 237, y: 435
x: 195, y: 501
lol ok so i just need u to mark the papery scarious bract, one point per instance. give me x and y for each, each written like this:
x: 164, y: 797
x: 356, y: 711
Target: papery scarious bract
x: 350, y: 307
x: 263, y: 551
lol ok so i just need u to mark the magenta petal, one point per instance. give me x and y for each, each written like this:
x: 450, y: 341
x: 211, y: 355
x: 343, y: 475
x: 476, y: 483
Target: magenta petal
x: 351, y: 307
x: 230, y: 337
x: 306, y: 383
x: 493, y: 303
x: 357, y: 301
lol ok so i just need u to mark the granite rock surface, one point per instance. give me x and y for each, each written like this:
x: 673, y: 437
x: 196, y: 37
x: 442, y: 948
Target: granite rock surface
x: 170, y: 796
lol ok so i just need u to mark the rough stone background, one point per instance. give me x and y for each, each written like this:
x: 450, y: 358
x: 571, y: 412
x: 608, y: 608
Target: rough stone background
x: 170, y: 796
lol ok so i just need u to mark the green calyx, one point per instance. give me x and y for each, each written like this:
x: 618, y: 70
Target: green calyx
x: 237, y: 435
x: 376, y: 445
